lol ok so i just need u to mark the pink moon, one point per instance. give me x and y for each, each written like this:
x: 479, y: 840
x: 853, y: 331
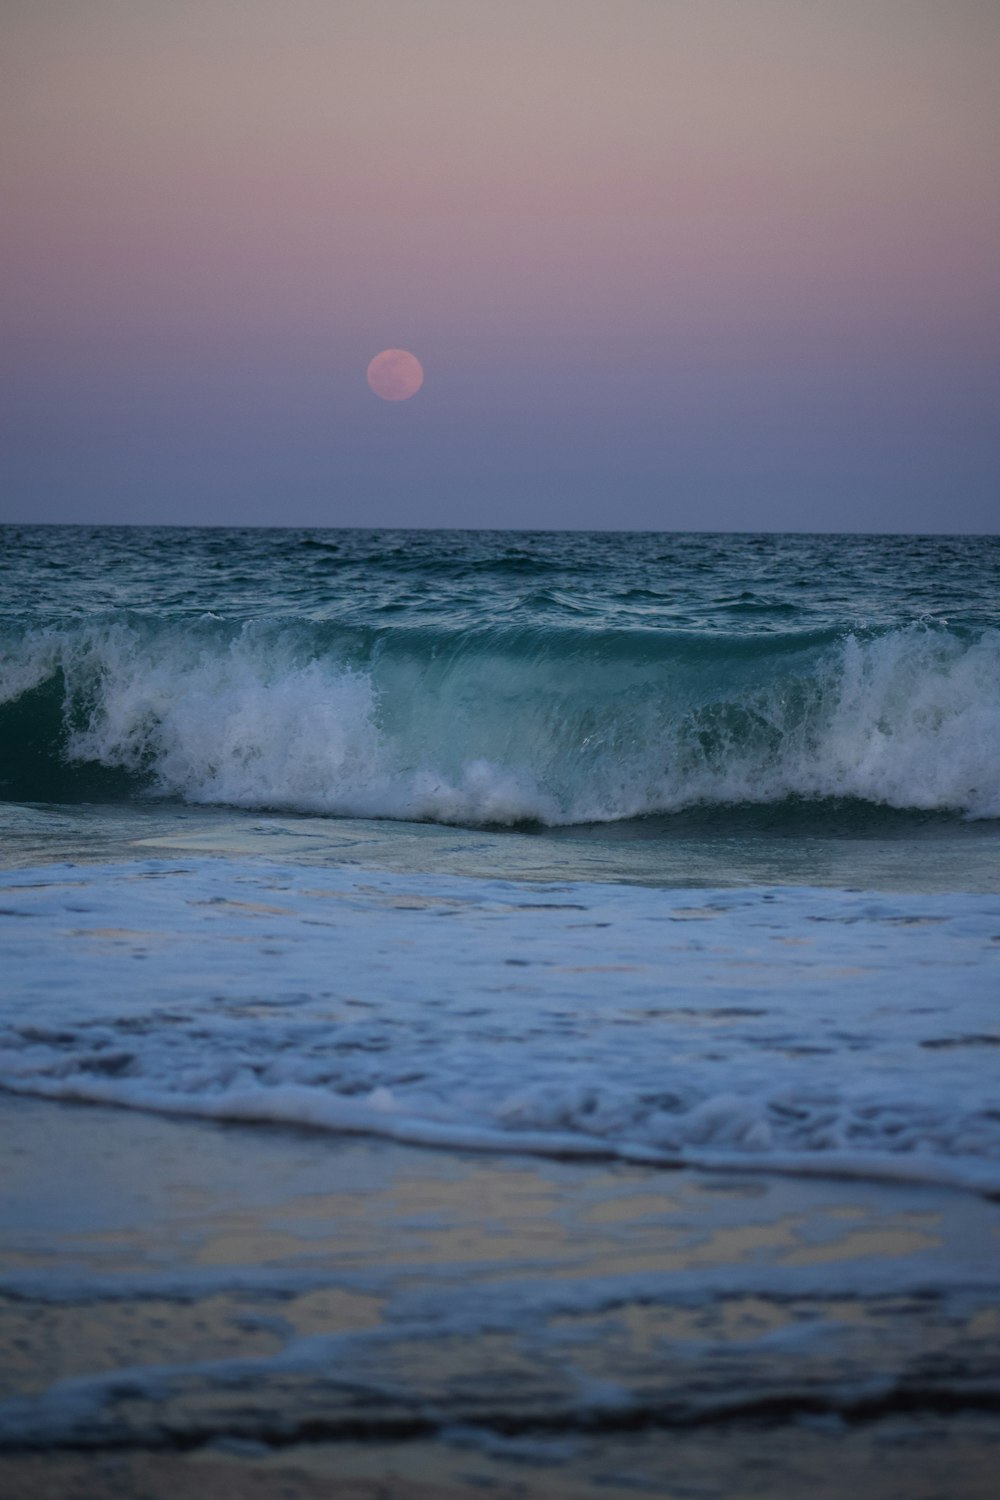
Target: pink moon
x: 395, y: 375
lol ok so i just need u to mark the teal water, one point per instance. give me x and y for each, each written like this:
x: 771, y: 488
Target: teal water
x: 637, y: 690
x: 722, y: 584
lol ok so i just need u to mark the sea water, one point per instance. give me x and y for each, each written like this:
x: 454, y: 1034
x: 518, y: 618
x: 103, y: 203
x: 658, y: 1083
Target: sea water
x: 670, y: 850
x: 797, y: 721
x: 553, y: 680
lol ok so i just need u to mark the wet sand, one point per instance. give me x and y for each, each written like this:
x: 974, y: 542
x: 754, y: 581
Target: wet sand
x: 189, y: 1308
x: 915, y: 1459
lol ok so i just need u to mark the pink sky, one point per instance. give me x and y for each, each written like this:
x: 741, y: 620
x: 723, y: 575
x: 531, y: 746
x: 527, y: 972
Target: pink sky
x: 666, y: 223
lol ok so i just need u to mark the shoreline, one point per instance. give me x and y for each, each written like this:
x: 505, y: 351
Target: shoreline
x: 536, y: 1323
x: 247, y: 1307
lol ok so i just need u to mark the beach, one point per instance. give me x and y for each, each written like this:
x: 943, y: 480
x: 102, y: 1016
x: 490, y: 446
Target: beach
x: 576, y: 1077
x: 397, y: 1257
x: 277, y: 1313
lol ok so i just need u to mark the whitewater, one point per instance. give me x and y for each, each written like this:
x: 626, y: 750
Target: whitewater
x: 472, y: 681
x: 730, y: 1030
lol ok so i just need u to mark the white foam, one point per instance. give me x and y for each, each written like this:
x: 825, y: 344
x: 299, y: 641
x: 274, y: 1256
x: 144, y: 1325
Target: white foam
x: 910, y: 718
x: 789, y: 1030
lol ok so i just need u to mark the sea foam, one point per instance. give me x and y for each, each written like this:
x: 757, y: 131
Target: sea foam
x: 791, y: 1030
x: 558, y: 727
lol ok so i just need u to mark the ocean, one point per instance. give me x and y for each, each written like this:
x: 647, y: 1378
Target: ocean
x: 577, y: 953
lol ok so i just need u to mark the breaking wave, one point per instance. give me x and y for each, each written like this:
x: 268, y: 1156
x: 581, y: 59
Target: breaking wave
x: 498, y: 726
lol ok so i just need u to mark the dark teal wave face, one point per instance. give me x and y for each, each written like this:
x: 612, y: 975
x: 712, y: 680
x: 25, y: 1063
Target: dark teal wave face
x: 498, y: 678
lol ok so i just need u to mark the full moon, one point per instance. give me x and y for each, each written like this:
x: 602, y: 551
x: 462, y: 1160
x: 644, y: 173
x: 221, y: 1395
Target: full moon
x: 395, y: 375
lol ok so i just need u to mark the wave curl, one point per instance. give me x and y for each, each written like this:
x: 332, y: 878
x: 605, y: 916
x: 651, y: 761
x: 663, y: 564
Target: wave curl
x: 555, y: 726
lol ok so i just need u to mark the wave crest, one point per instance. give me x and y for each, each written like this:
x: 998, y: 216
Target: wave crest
x: 557, y: 727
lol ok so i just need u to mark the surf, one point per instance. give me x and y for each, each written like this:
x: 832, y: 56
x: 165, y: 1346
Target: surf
x: 548, y: 724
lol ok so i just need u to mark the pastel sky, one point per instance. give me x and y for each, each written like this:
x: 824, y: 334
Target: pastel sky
x: 667, y: 264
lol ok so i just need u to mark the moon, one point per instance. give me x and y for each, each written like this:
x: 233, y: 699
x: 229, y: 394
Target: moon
x: 395, y: 375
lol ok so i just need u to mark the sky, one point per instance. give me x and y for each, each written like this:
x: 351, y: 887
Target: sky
x: 667, y: 264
